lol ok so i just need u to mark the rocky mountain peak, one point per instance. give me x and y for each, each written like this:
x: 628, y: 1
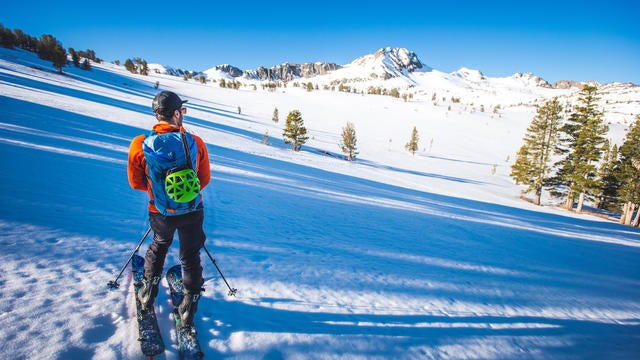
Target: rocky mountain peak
x: 389, y: 62
x: 531, y: 79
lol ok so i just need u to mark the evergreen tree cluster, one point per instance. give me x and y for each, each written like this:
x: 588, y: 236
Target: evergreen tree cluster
x: 627, y: 174
x: 87, y: 55
x: 582, y: 148
x: 271, y: 86
x: 587, y: 167
x: 230, y: 84
x: 395, y: 92
x: 137, y: 66
x: 47, y: 48
x: 17, y: 38
x: 78, y: 56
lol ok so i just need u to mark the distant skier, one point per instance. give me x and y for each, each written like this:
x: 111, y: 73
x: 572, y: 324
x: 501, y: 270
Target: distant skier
x: 172, y: 166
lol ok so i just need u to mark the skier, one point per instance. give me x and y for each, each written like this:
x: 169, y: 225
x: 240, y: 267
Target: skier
x: 169, y: 112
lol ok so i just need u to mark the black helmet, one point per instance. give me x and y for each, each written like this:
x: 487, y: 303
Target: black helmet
x: 166, y: 102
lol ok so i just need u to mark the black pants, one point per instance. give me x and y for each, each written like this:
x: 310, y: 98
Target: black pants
x: 192, y: 239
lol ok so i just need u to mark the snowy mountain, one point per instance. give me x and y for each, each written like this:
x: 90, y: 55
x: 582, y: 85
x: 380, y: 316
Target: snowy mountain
x: 469, y: 74
x: 529, y: 79
x: 289, y: 72
x: 162, y: 69
x: 224, y: 71
x: 385, y: 63
x: 400, y: 68
x: 283, y: 72
x: 389, y: 63
x: 393, y: 256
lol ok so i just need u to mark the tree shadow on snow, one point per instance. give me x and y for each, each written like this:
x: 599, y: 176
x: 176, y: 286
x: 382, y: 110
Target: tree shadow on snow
x: 405, y: 336
x: 316, y: 229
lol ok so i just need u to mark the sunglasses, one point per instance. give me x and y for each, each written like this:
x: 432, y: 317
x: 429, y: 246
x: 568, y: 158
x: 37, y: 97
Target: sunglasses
x: 184, y: 110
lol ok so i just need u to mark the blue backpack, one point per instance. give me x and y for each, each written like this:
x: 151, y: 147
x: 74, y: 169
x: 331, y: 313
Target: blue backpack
x: 165, y: 154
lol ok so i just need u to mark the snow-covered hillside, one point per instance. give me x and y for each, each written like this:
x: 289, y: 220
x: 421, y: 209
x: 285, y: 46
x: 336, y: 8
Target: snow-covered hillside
x: 392, y: 256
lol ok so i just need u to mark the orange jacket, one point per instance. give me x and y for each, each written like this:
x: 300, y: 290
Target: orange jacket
x: 137, y: 166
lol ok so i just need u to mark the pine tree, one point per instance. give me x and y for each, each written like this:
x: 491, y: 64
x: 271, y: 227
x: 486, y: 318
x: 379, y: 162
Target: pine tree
x: 349, y: 140
x: 295, y: 133
x: 130, y: 66
x: 19, y: 36
x: 629, y: 171
x: 89, y: 54
x: 86, y: 65
x: 583, y: 146
x: 74, y: 57
x: 532, y: 166
x: 412, y: 145
x: 607, y: 196
x: 59, y: 57
x: 521, y: 168
x: 275, y: 116
x: 24, y: 41
x: 144, y: 68
x: 7, y: 38
x: 45, y: 47
x: 49, y: 48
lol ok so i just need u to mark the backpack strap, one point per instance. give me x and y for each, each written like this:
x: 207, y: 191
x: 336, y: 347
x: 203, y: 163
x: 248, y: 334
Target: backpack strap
x: 187, y: 153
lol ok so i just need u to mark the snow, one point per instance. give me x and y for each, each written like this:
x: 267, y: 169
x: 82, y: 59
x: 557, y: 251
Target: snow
x: 215, y: 74
x: 393, y: 256
x: 470, y: 74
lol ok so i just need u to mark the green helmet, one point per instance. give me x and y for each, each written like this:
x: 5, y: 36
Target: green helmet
x: 182, y: 186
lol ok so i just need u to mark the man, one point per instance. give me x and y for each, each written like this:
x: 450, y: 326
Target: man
x: 142, y: 171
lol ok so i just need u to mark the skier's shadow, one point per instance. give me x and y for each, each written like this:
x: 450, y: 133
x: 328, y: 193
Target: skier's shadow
x: 236, y: 328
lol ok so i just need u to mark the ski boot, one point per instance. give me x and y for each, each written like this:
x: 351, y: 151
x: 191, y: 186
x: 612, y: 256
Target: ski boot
x: 188, y: 307
x: 148, y: 291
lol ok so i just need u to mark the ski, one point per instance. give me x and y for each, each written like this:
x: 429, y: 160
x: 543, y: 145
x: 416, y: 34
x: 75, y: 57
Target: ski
x: 148, y: 331
x: 188, y: 343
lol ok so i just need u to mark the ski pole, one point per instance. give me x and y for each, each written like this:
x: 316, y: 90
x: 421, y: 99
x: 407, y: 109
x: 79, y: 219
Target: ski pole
x: 232, y: 291
x: 114, y: 284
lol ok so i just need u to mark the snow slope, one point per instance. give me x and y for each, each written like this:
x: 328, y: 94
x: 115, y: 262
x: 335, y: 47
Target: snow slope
x: 391, y: 257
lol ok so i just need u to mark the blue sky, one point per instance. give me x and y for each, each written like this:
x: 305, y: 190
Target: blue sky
x: 578, y: 40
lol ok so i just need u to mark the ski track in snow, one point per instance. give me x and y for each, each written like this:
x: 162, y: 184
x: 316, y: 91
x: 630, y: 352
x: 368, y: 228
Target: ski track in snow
x: 394, y: 256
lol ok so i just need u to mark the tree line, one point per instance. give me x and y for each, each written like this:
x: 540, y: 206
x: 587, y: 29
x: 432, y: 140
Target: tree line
x: 565, y: 152
x: 47, y: 47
